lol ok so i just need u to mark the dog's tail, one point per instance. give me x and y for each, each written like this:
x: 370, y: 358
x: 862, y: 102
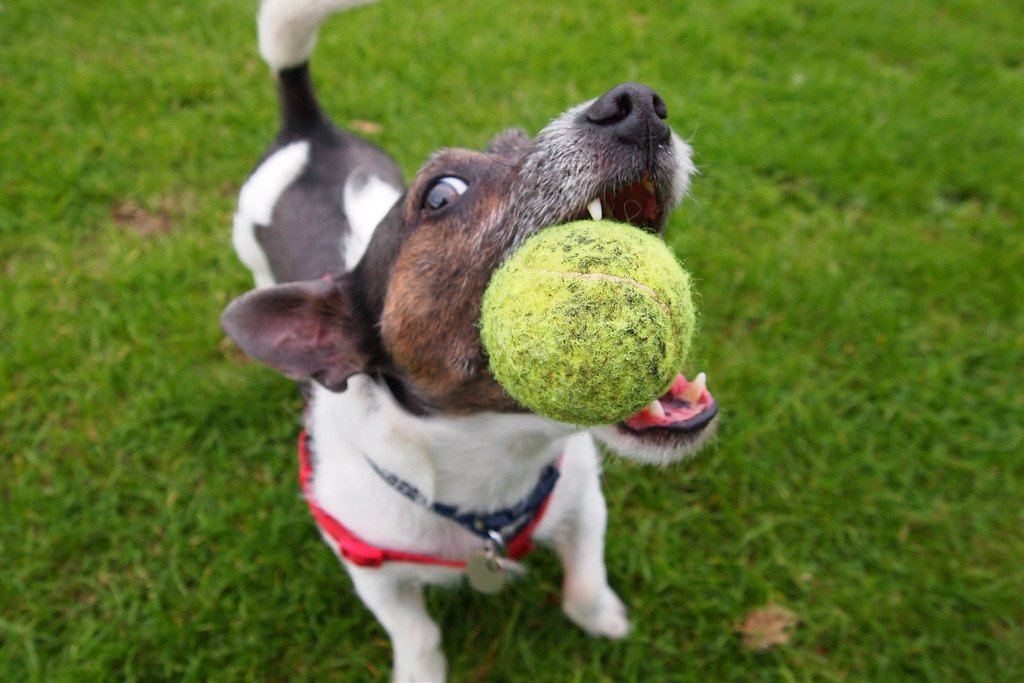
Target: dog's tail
x: 288, y: 28
x: 287, y: 31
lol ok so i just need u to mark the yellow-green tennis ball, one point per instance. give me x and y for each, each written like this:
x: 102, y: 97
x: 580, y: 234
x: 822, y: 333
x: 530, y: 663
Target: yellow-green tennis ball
x: 588, y: 322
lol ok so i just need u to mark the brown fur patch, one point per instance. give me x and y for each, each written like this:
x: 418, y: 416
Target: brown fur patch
x: 432, y: 307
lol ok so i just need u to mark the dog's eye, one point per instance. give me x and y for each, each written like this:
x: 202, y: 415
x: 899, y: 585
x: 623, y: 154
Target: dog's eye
x: 443, y: 192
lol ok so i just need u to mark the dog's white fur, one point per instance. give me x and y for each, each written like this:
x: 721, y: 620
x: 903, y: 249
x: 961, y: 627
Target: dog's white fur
x: 476, y: 462
x: 366, y: 199
x: 256, y: 202
x: 287, y: 29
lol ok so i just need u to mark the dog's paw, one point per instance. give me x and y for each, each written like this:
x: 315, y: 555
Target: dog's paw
x: 418, y: 656
x: 601, y: 615
x: 427, y: 667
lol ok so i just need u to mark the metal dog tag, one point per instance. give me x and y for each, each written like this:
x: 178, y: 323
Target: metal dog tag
x: 486, y: 572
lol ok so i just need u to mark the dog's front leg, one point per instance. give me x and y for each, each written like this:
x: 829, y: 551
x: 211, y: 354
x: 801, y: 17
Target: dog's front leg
x: 399, y: 607
x: 578, y: 537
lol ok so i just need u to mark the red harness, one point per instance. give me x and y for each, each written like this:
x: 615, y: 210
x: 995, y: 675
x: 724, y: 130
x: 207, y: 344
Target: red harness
x: 361, y: 553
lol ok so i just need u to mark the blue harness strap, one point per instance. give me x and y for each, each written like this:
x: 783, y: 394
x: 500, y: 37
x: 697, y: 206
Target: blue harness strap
x: 507, y: 522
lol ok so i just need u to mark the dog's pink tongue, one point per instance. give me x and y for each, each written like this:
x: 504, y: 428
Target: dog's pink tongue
x: 684, y: 401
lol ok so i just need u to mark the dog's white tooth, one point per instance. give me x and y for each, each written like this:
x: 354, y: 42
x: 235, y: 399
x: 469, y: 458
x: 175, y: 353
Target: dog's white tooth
x: 696, y: 388
x: 594, y: 208
x: 657, y: 410
x: 649, y: 185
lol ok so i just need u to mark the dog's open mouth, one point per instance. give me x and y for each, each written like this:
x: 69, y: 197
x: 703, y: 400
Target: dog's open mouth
x: 634, y: 203
x: 686, y: 409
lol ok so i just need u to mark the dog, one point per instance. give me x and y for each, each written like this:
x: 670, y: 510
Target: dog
x: 417, y: 466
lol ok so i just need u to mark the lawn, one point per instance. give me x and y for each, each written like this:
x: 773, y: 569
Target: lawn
x: 856, y: 231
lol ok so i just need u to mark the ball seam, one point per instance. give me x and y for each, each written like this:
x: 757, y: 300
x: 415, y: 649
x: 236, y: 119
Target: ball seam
x: 611, y: 278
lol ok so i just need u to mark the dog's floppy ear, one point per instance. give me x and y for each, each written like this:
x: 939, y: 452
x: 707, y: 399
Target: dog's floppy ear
x: 306, y: 330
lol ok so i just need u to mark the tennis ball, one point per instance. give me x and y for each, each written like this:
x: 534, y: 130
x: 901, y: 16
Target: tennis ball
x: 588, y: 322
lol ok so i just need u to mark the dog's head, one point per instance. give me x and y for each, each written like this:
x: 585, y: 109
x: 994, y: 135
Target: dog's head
x: 408, y: 313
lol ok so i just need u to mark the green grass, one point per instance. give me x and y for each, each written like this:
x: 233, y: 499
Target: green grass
x: 857, y: 234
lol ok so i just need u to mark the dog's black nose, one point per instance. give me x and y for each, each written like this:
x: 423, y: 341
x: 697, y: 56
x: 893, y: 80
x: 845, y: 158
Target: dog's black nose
x: 632, y: 112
